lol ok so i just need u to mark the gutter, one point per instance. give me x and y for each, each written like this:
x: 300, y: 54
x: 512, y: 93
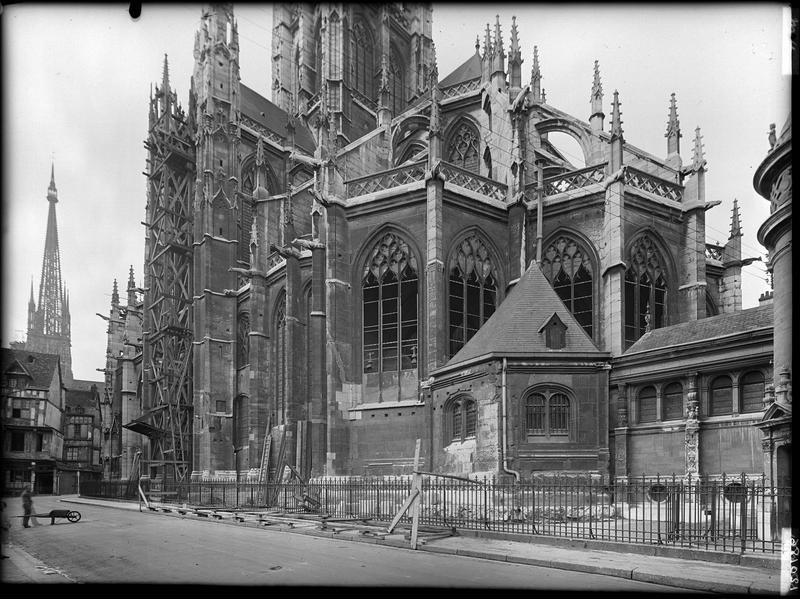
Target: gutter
x: 504, y: 416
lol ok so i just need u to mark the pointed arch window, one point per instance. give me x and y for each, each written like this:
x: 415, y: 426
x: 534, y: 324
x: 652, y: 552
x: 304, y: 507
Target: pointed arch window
x: 243, y: 340
x: 245, y: 224
x: 645, y: 290
x: 334, y: 43
x: 567, y: 266
x: 472, y: 291
x: 462, y: 148
x: 396, y: 82
x: 547, y: 414
x: 390, y: 289
x: 316, y: 83
x: 362, y: 53
x: 279, y: 416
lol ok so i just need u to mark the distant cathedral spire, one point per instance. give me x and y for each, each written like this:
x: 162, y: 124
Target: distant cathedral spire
x: 49, y: 325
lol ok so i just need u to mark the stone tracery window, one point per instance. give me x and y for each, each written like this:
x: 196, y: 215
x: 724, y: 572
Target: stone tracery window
x: 568, y: 268
x: 362, y: 52
x: 472, y: 296
x: 280, y: 363
x: 462, y: 147
x: 645, y: 289
x: 390, y: 289
x: 396, y: 82
x: 246, y: 214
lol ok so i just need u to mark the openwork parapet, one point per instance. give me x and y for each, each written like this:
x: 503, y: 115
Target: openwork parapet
x: 652, y: 184
x: 574, y: 180
x: 386, y: 179
x: 458, y: 176
x: 462, y: 88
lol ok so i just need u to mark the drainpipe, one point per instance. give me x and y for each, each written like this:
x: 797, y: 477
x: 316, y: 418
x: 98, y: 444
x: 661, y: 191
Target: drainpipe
x: 504, y: 448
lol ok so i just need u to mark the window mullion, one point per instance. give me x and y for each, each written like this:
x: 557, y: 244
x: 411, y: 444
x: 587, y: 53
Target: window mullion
x: 399, y: 323
x: 380, y: 327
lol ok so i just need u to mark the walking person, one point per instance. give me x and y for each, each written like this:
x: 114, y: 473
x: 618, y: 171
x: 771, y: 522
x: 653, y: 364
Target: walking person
x: 27, y: 506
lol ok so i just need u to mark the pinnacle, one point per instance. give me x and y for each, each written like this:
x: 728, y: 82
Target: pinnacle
x: 597, y: 86
x: 536, y: 74
x: 131, y: 280
x: 736, y: 223
x: 616, y: 116
x: 673, y: 124
x: 698, y: 159
x: 115, y: 294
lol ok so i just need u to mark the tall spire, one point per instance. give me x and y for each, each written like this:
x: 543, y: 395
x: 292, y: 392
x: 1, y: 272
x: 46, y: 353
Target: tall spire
x: 736, y: 223
x: 48, y: 327
x: 698, y: 158
x: 52, y: 192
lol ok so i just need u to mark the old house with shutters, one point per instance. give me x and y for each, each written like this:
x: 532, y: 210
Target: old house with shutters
x: 379, y: 254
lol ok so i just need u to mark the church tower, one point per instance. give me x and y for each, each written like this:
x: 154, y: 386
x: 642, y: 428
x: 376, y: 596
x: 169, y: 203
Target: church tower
x: 348, y: 51
x: 49, y: 325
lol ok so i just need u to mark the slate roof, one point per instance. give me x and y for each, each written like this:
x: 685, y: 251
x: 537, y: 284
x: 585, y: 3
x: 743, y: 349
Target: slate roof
x: 469, y: 70
x: 712, y: 327
x: 40, y: 367
x: 83, y: 385
x: 274, y: 118
x: 513, y: 330
x: 84, y: 398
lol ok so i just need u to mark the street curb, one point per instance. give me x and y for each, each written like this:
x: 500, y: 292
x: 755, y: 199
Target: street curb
x: 575, y: 566
x: 710, y: 556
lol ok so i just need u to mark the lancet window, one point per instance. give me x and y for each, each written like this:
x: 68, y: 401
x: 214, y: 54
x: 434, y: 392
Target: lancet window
x: 362, y: 52
x: 243, y: 340
x: 390, y: 293
x: 645, y: 290
x: 472, y: 291
x: 396, y: 83
x: 568, y: 268
x: 280, y: 363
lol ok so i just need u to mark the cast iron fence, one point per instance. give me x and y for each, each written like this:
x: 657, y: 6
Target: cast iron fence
x: 741, y: 513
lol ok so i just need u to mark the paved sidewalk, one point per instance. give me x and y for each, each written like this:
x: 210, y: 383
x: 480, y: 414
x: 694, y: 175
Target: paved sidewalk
x: 695, y: 572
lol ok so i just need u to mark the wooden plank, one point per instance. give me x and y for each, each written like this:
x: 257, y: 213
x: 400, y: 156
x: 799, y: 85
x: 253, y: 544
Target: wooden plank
x: 416, y: 483
x: 406, y: 504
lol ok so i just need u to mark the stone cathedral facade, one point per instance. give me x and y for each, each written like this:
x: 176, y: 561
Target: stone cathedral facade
x: 381, y: 254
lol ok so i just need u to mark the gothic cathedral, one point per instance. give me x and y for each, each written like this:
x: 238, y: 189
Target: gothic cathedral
x: 380, y: 255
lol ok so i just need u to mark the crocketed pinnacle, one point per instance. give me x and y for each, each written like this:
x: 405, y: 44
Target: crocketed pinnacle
x: 131, y: 279
x: 115, y: 294
x: 698, y: 158
x: 616, y: 116
x: 673, y: 124
x: 514, y: 53
x: 597, y: 86
x: 736, y: 223
x: 498, y: 38
x: 536, y: 74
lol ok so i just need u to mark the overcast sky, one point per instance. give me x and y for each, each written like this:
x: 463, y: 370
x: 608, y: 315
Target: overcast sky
x: 77, y: 78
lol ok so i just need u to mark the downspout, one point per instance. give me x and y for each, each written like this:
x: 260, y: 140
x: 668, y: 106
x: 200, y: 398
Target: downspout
x: 504, y: 416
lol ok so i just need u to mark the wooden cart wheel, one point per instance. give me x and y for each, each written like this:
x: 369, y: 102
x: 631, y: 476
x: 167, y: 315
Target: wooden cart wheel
x: 74, y: 516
